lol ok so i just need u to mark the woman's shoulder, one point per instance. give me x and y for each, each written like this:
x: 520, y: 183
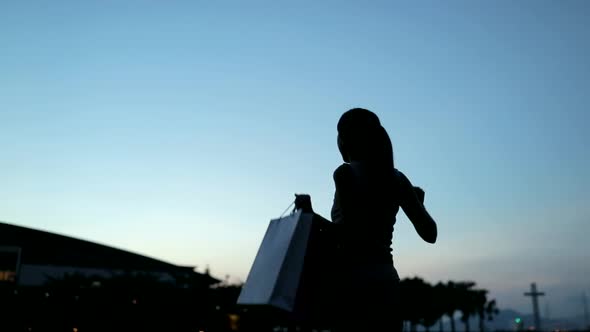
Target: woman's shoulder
x: 401, y: 178
x: 343, y: 172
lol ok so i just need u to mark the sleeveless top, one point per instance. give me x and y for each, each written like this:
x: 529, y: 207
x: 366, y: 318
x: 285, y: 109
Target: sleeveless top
x: 367, y: 219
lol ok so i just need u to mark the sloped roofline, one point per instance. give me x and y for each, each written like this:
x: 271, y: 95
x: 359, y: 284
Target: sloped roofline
x: 48, y: 248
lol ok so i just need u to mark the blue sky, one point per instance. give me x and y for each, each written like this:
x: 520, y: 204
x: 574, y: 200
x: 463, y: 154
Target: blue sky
x: 178, y: 129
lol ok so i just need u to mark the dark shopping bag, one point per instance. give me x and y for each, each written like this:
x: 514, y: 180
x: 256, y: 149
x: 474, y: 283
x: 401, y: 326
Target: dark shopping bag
x: 292, y: 268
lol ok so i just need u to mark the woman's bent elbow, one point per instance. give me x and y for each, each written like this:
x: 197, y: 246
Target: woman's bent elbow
x: 431, y: 236
x: 427, y: 230
x: 431, y: 239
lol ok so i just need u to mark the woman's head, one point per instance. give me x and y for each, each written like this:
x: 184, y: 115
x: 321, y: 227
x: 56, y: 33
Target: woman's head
x: 362, y: 138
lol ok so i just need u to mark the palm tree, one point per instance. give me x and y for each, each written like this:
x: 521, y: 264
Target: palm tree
x: 450, y: 304
x: 441, y: 302
x: 491, y: 310
x: 484, y: 308
x: 466, y: 301
x: 480, y: 301
x: 434, y: 307
x: 412, y: 292
x: 425, y: 304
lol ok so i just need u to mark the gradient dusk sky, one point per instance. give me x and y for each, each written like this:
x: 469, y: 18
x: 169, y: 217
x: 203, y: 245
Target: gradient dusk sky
x: 178, y: 129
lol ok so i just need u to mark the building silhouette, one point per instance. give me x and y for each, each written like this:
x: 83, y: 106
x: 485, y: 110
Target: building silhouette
x: 30, y: 257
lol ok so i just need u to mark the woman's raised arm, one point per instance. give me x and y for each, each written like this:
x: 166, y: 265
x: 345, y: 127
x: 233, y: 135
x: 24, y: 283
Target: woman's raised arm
x: 414, y: 208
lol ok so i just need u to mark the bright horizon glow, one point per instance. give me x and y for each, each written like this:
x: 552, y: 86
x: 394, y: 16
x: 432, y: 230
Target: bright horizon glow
x: 179, y: 130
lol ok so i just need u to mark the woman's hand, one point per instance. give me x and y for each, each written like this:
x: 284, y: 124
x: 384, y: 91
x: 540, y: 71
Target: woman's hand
x: 303, y: 203
x: 420, y: 194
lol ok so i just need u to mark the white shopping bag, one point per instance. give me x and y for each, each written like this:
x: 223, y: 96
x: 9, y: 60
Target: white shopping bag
x: 275, y: 276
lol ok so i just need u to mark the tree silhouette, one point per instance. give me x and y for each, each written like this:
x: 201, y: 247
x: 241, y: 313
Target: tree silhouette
x: 450, y: 303
x: 484, y: 308
x: 424, y: 304
x: 148, y: 303
x: 433, y: 305
x: 466, y: 301
x: 491, y: 310
x: 480, y: 301
x: 413, y: 293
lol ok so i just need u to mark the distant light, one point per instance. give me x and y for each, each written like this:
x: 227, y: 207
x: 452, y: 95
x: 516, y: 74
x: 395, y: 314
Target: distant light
x: 46, y: 294
x: 134, y: 301
x: 217, y: 308
x: 234, y: 321
x: 517, y: 320
x: 75, y: 329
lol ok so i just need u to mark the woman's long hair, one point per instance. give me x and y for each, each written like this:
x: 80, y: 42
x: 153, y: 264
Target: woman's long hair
x: 362, y: 138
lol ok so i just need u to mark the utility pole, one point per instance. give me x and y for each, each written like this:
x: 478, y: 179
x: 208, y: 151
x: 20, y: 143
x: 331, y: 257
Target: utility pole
x: 535, y: 296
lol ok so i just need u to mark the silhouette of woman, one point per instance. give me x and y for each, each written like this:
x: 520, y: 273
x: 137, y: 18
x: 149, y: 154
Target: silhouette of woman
x: 369, y: 193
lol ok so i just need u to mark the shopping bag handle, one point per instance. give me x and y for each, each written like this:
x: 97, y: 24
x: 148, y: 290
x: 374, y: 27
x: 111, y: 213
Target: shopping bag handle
x: 287, y: 209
